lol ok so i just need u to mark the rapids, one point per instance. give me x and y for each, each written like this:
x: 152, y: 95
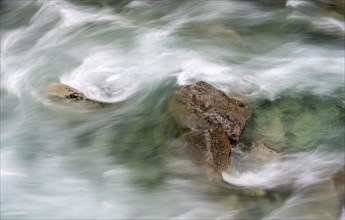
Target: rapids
x: 285, y: 60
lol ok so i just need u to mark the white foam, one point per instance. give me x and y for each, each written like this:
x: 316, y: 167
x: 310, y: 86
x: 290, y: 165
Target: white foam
x: 297, y: 170
x: 77, y: 15
x: 108, y: 73
x: 196, y: 69
x: 321, y: 19
x: 302, y: 68
x: 100, y: 71
x: 295, y: 3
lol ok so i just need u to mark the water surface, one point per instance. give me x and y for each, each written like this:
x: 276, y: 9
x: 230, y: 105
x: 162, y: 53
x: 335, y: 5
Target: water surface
x: 59, y: 162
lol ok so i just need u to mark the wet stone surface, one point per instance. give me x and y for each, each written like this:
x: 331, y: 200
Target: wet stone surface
x: 215, y: 121
x: 66, y: 94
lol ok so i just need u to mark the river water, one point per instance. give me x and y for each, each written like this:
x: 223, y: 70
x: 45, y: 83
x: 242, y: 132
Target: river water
x: 286, y: 61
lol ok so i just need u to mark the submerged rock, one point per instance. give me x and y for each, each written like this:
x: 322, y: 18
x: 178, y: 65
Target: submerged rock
x: 298, y: 123
x: 261, y: 152
x: 215, y: 121
x: 337, y: 6
x: 116, y: 4
x: 319, y: 199
x: 66, y: 94
x: 339, y: 183
x: 218, y: 32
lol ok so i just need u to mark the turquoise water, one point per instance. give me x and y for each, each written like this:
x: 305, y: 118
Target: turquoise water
x: 127, y: 162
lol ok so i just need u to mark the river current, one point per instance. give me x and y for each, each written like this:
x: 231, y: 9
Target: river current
x: 284, y: 59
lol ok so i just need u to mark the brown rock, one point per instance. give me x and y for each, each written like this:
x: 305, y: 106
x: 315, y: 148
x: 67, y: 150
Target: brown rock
x: 201, y: 106
x: 211, y: 149
x: 66, y: 94
x: 216, y: 123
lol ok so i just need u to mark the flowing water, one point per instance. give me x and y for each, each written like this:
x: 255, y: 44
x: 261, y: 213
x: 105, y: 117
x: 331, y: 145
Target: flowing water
x: 57, y: 162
